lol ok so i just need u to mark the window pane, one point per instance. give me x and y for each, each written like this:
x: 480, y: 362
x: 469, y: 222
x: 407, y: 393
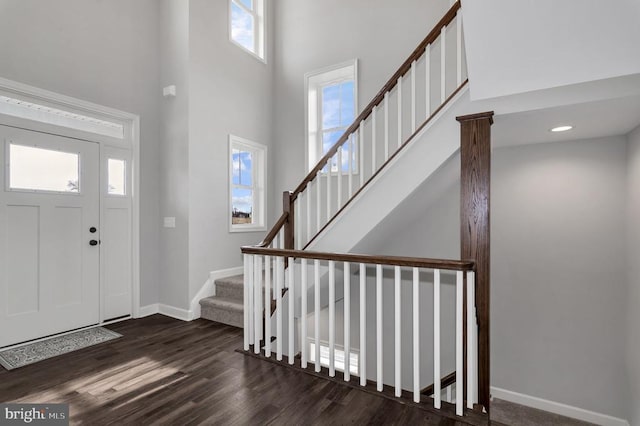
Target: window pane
x: 328, y: 140
x: 347, y: 110
x: 246, y: 169
x: 331, y: 106
x: 247, y: 3
x: 116, y: 176
x: 43, y: 170
x: 241, y: 206
x: 242, y: 27
x: 235, y: 166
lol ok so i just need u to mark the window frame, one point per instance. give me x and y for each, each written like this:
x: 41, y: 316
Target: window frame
x: 315, y: 81
x: 259, y: 28
x: 259, y: 181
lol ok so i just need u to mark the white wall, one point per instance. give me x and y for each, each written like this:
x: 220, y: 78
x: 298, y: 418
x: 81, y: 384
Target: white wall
x: 174, y: 200
x: 517, y: 47
x: 104, y: 52
x: 633, y: 255
x: 229, y: 92
x: 558, y: 270
x: 311, y: 35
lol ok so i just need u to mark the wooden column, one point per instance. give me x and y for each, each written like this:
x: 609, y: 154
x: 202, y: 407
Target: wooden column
x: 475, y: 156
x: 289, y: 229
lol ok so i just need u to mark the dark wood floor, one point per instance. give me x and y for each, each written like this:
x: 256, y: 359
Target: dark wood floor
x: 165, y: 371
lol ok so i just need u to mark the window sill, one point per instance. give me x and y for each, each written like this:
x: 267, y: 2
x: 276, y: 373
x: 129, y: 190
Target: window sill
x: 250, y: 228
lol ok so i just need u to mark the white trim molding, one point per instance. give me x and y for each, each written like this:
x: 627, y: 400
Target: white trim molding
x: 557, y: 408
x: 208, y: 289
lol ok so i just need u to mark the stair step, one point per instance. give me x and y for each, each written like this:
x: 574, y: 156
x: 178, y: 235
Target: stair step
x: 222, y: 309
x: 230, y: 287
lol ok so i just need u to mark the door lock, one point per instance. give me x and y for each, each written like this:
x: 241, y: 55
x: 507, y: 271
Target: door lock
x: 93, y: 229
x: 94, y: 242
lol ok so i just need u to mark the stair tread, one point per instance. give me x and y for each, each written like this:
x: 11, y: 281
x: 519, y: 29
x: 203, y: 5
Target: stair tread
x: 236, y: 280
x: 223, y: 303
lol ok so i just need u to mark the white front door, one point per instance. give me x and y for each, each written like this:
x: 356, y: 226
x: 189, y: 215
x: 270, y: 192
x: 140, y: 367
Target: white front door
x: 49, y: 235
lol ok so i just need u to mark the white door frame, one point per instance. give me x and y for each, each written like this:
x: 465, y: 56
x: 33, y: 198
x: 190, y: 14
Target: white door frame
x: 131, y: 140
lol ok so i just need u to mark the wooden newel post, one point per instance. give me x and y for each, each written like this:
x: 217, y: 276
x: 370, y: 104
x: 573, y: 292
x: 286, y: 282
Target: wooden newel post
x: 289, y: 226
x: 475, y: 179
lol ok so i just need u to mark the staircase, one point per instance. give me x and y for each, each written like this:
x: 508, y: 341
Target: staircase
x: 403, y: 136
x: 227, y: 305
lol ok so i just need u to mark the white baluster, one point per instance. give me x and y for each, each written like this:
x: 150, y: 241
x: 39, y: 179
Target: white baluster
x: 297, y: 238
x: 437, y: 391
x: 251, y: 301
x: 275, y: 277
x: 379, y: 327
x: 292, y: 299
x: 459, y: 344
x: 458, y: 49
x: 329, y: 165
x: 347, y: 320
x: 443, y: 65
x: 303, y: 313
x: 332, y: 318
x: 413, y: 97
x: 247, y: 302
x: 257, y: 297
x: 279, y: 288
x: 267, y: 306
x: 449, y: 391
x: 399, y: 112
x: 471, y: 343
x: 339, y: 179
x: 307, y: 196
x: 318, y: 204
x: 373, y: 140
x: 427, y: 64
x: 361, y: 148
x: 281, y: 237
x: 416, y: 335
x: 398, y: 354
x: 362, y: 365
x: 316, y: 313
x: 386, y: 126
x: 350, y: 168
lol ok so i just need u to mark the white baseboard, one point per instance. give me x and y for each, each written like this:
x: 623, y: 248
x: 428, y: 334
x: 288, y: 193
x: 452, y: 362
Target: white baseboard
x: 557, y: 408
x: 208, y: 289
x: 170, y: 311
x: 145, y: 311
x: 177, y: 313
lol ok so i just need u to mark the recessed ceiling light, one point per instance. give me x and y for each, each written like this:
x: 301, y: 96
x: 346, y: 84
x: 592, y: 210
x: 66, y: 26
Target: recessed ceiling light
x: 561, y: 128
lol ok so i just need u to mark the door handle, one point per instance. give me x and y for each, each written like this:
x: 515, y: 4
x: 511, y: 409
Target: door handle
x: 94, y: 242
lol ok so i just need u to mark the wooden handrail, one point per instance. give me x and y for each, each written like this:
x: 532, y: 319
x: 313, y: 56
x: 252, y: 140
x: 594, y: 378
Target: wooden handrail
x: 416, y: 262
x: 274, y: 231
x: 388, y: 161
x: 445, y: 382
x: 393, y: 81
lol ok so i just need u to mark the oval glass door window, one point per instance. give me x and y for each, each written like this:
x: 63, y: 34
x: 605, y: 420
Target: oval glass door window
x: 116, y: 176
x: 38, y: 169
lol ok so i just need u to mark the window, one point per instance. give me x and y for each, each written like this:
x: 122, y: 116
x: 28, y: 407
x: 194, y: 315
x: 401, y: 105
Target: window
x: 64, y: 118
x: 247, y: 176
x: 246, y: 25
x: 331, y: 109
x: 339, y: 357
x: 116, y: 176
x: 38, y: 169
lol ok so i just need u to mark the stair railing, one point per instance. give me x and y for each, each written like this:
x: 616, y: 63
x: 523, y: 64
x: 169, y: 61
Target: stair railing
x: 265, y: 274
x: 421, y: 88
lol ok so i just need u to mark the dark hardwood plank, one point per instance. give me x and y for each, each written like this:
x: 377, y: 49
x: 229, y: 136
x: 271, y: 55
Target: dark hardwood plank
x: 165, y: 372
